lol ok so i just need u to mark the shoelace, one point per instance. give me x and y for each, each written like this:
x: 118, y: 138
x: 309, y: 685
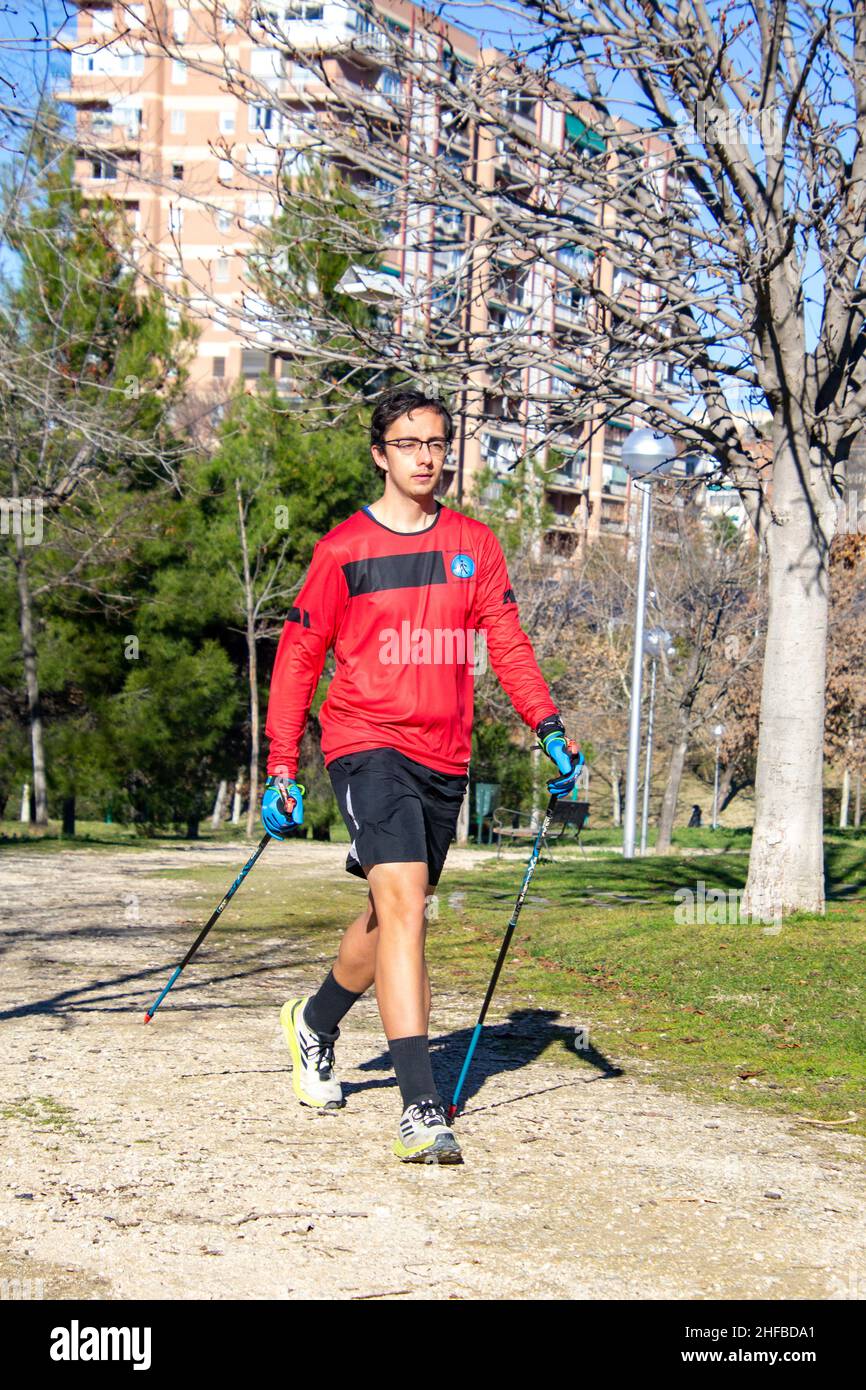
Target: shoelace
x: 325, y: 1059
x: 324, y: 1052
x: 429, y: 1113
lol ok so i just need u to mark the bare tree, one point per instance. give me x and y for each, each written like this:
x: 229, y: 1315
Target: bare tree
x: 701, y: 208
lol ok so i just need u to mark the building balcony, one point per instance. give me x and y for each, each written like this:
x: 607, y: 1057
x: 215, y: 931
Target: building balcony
x: 87, y: 94
x: 565, y: 482
x: 573, y: 315
x: 574, y: 521
x: 368, y: 46
x: 100, y: 130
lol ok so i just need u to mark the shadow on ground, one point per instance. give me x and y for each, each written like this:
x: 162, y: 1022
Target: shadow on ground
x: 503, y: 1047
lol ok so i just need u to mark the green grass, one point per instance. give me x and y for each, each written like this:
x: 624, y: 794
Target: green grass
x: 737, y: 1013
x: 763, y: 1018
x: 43, y: 1111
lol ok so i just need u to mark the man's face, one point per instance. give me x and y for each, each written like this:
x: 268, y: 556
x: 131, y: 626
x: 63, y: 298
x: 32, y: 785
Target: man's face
x: 415, y: 470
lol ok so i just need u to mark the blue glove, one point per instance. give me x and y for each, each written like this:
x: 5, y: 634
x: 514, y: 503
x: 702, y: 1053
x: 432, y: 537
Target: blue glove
x: 282, y: 805
x: 563, y: 752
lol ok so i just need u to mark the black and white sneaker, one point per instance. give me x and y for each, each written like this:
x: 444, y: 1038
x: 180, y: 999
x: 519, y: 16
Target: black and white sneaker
x: 312, y: 1053
x: 424, y: 1135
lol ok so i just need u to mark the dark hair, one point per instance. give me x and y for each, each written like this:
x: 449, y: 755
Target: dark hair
x: 402, y: 401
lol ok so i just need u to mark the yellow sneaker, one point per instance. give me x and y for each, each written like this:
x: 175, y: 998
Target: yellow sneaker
x: 313, y: 1079
x: 425, y: 1136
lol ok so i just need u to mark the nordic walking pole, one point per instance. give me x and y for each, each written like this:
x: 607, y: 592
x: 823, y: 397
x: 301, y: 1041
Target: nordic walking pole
x: 262, y: 845
x: 506, y: 942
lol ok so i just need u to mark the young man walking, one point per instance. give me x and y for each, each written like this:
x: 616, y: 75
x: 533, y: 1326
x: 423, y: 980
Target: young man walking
x: 400, y: 590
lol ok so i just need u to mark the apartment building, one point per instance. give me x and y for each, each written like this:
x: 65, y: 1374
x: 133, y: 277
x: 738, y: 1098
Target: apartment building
x: 195, y: 165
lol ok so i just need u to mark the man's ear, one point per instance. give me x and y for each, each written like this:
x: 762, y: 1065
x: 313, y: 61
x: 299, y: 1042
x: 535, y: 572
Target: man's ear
x: 382, y: 467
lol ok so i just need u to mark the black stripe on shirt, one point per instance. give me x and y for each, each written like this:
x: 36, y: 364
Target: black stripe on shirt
x: 378, y: 572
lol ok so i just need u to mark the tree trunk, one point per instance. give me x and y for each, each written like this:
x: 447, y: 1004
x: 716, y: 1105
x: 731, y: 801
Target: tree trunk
x: 846, y: 798
x: 668, y: 812
x: 252, y: 666
x: 786, y: 865
x: 726, y: 782
x: 535, y: 817
x: 69, y: 815
x: 25, y: 816
x: 857, y: 799
x: 616, y: 800
x: 463, y: 819
x: 237, y: 799
x: 729, y: 787
x: 31, y: 679
x: 682, y: 731
x: 192, y: 828
x: 219, y: 804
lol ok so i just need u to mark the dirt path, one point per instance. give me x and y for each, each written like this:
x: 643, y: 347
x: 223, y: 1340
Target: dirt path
x: 173, y: 1162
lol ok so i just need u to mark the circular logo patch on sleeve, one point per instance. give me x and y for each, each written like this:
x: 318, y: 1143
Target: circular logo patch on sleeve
x: 463, y: 566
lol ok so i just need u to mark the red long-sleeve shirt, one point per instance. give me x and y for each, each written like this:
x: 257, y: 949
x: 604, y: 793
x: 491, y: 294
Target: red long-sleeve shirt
x: 408, y: 616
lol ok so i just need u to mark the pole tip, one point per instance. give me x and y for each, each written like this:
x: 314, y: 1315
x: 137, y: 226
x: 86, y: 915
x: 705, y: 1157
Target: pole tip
x: 148, y: 1017
x: 452, y: 1111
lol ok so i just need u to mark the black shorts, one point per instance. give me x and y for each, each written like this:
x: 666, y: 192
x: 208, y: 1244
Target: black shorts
x: 396, y: 810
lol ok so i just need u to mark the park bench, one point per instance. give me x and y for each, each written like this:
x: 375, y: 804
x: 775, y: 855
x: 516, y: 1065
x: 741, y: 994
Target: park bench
x: 508, y: 824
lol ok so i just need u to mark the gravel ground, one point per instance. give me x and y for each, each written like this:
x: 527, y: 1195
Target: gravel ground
x: 172, y: 1161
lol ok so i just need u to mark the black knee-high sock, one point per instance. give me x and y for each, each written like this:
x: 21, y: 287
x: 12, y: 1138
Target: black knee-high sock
x: 411, y: 1059
x: 328, y: 1006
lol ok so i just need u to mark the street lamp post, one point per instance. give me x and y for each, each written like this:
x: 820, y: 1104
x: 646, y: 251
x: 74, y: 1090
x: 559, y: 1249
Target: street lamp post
x: 718, y: 734
x: 647, y: 455
x: 657, y: 640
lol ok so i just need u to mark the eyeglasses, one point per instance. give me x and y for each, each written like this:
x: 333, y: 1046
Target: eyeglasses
x: 438, y: 447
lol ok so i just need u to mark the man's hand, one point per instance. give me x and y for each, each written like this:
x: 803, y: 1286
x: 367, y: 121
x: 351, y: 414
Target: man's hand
x: 282, y: 805
x: 563, y: 752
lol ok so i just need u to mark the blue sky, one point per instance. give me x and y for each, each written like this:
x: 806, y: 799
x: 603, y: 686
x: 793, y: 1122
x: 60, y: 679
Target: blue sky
x: 27, y: 63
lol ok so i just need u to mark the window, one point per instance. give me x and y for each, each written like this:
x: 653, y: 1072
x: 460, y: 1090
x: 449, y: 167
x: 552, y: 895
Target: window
x: 178, y: 72
x: 518, y: 104
x: 259, y: 210
x: 266, y: 64
x: 135, y: 15
x: 175, y: 219
x: 178, y: 122
x: 224, y: 220
x: 254, y: 362
x: 261, y: 161
x: 221, y: 269
x: 261, y: 117
x: 102, y: 21
x: 219, y: 366
x: 177, y: 171
x: 127, y: 116
x: 227, y: 123
x: 226, y: 170
x: 180, y: 22
x: 390, y: 83
x: 108, y: 60
x: 103, y: 169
